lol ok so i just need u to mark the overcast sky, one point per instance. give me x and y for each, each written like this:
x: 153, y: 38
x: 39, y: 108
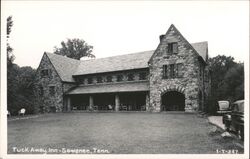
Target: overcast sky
x: 116, y: 28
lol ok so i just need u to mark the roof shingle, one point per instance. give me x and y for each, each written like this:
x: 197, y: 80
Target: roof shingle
x: 115, y: 63
x: 66, y: 67
x: 201, y: 48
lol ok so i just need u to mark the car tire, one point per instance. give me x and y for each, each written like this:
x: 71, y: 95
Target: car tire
x: 227, y: 125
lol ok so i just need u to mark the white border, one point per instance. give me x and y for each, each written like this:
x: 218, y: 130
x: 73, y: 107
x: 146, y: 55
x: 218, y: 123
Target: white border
x: 3, y: 119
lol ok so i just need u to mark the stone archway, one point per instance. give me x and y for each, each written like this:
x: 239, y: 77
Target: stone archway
x: 172, y: 88
x: 173, y: 99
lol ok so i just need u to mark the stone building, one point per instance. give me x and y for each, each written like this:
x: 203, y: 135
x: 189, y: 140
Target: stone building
x: 174, y: 77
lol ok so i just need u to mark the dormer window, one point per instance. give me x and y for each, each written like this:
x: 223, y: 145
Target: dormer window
x: 173, y: 48
x: 119, y: 78
x: 109, y: 78
x: 90, y: 80
x: 142, y: 76
x: 82, y: 80
x: 131, y: 77
x: 99, y: 79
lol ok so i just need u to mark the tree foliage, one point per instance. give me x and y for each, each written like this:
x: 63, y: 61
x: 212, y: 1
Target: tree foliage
x: 19, y: 81
x: 74, y: 48
x: 227, y: 80
x: 10, y: 55
x: 20, y: 89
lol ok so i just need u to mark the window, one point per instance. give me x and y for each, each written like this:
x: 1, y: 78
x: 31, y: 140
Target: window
x: 165, y: 71
x: 41, y: 91
x: 90, y: 80
x: 52, y: 90
x: 179, y: 70
x: 109, y: 78
x: 81, y: 80
x: 131, y: 77
x: 99, y: 79
x: 172, y: 72
x: 142, y: 76
x: 173, y: 48
x: 45, y: 73
x: 119, y: 78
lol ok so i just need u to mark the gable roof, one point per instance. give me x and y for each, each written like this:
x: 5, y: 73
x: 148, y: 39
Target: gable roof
x: 64, y: 66
x: 115, y: 63
x: 202, y: 49
x: 202, y: 53
x: 127, y: 61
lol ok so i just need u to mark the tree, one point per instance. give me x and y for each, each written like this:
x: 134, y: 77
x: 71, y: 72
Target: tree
x: 227, y: 80
x: 74, y: 48
x: 233, y: 83
x: 19, y: 81
x: 20, y: 89
x: 10, y: 55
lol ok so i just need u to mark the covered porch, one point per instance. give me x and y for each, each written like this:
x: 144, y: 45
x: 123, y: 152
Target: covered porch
x: 116, y: 97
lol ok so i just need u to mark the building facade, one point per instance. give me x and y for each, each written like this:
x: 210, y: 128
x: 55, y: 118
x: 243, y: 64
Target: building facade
x: 174, y: 77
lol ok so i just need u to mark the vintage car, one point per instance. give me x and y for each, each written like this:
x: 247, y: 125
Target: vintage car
x: 223, y: 107
x: 234, y: 120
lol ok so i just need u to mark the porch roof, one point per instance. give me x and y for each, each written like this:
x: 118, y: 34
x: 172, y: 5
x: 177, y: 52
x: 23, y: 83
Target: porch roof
x: 111, y: 88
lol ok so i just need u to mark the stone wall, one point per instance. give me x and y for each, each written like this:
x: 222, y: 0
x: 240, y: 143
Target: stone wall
x: 207, y: 87
x: 46, y: 101
x: 188, y: 84
x: 67, y: 86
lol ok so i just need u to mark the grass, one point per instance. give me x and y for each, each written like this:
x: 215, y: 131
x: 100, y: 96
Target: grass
x: 119, y: 133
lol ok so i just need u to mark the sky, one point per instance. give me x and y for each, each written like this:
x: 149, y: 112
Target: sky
x: 116, y: 28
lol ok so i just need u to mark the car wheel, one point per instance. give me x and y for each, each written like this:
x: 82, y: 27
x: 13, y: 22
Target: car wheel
x: 227, y: 125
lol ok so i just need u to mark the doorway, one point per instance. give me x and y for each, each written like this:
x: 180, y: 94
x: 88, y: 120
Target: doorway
x: 173, y: 101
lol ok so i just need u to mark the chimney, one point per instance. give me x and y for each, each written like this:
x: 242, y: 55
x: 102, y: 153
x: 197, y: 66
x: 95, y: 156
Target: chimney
x: 161, y: 37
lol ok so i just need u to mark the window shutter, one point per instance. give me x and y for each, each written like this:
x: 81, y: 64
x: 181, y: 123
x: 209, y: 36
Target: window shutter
x: 175, y: 47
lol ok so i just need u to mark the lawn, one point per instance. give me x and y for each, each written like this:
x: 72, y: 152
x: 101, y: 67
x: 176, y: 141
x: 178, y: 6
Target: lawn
x: 118, y: 133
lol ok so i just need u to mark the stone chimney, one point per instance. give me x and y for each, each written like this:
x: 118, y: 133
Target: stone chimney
x: 161, y: 37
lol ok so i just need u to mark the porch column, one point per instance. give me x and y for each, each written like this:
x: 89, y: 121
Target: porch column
x: 117, y: 102
x: 91, y: 102
x: 147, y: 101
x: 68, y: 104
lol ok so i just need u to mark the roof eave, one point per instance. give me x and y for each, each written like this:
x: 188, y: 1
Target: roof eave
x: 75, y: 75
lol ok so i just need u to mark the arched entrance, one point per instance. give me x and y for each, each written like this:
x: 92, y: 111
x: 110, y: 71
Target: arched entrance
x: 173, y: 101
